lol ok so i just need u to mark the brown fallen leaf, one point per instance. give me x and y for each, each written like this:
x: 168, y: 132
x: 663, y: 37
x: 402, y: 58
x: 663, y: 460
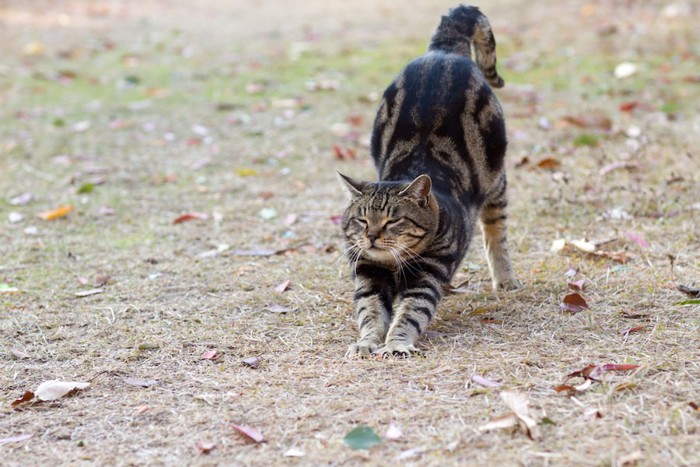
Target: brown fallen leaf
x: 573, y: 303
x: 695, y: 405
x: 211, y: 355
x: 589, y: 121
x: 191, y: 216
x: 692, y: 292
x: 576, y: 285
x: 548, y: 163
x: 204, y: 447
x: 633, y: 329
x: 26, y: 397
x: 589, y: 372
x: 619, y: 367
x: 252, y: 362
x: 249, y: 433
x: 617, y: 256
x: 101, y: 280
x: 57, y: 213
x: 283, y: 286
x: 567, y: 388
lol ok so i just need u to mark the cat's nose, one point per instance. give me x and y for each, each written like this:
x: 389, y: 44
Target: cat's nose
x: 372, y: 237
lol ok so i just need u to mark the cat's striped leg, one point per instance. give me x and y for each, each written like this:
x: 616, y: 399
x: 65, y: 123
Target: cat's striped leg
x: 415, y: 309
x: 493, y: 227
x: 373, y: 308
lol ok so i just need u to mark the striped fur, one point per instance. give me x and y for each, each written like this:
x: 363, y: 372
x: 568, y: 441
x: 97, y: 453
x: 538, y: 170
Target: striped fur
x: 438, y: 145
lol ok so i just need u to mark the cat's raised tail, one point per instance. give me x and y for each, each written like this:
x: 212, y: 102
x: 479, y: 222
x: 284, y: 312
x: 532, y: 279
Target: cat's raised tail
x: 462, y: 27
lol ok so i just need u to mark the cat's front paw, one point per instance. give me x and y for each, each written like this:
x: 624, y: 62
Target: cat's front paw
x: 397, y: 349
x: 361, y: 350
x: 508, y: 284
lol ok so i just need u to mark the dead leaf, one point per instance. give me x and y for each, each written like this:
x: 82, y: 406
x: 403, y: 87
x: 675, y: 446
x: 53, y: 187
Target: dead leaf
x: 633, y: 329
x: 589, y: 121
x: 576, y: 285
x: 628, y: 106
x: 637, y: 239
x: 26, y: 397
x: 283, y: 286
x: 693, y: 292
x: 570, y: 390
x: 573, y: 303
x: 87, y: 293
x: 204, y: 447
x: 344, y: 153
x: 101, y: 280
x: 695, y: 405
x: 583, y: 245
x: 18, y: 353
x: 252, y: 362
x: 57, y: 213
x: 249, y: 433
x: 211, y: 355
x: 619, y: 367
x: 54, y: 389
x: 142, y: 383
x: 617, y: 256
x: 485, y: 382
x: 294, y: 452
x: 519, y: 404
x: 393, y: 432
x: 626, y: 386
x: 591, y: 371
x: 275, y: 308
x: 16, y: 438
x: 191, y: 216
x: 548, y: 164
x: 504, y: 421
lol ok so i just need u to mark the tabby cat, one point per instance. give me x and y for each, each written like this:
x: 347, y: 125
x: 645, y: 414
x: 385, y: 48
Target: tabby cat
x: 438, y: 144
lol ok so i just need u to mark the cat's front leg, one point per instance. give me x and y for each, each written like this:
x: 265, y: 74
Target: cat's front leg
x: 372, y: 309
x: 415, y: 309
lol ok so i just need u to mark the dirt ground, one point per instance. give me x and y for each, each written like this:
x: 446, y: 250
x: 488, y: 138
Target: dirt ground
x: 239, y: 114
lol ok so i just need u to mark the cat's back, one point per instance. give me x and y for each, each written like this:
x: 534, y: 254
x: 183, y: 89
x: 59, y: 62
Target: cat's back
x: 436, y: 86
x: 438, y: 116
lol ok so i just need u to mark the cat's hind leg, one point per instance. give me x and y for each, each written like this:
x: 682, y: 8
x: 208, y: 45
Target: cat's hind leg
x: 494, y: 229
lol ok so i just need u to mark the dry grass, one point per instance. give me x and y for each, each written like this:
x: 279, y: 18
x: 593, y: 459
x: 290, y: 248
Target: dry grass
x: 145, y: 73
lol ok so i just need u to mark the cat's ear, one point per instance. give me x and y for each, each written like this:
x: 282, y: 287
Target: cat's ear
x: 352, y: 186
x: 419, y: 189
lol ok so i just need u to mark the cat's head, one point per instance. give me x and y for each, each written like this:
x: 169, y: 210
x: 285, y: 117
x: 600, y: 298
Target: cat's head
x: 389, y: 222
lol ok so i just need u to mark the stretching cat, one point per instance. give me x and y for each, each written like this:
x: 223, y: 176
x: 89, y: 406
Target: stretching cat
x: 438, y: 144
